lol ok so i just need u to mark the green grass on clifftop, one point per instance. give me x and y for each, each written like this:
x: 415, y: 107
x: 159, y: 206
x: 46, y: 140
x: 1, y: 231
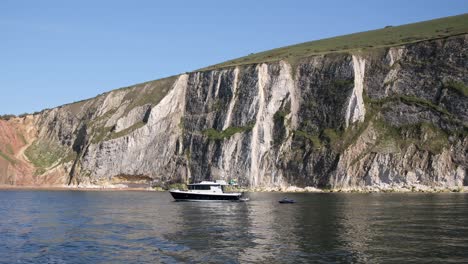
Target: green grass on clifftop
x: 386, y: 37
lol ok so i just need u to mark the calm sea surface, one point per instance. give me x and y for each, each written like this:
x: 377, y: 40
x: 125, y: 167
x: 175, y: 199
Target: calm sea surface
x: 149, y: 227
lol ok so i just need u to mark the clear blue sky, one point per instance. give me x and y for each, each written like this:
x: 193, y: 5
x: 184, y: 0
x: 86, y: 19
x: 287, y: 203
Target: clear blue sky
x: 57, y: 52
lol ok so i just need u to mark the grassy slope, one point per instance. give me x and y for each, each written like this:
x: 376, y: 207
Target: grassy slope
x: 386, y: 37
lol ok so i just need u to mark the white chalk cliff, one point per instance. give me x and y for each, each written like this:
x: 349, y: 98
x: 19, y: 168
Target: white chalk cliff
x: 329, y: 121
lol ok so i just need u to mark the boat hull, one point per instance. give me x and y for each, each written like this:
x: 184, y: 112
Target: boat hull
x: 187, y: 196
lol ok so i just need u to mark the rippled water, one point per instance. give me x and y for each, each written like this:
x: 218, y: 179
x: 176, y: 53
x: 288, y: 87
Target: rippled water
x: 138, y: 227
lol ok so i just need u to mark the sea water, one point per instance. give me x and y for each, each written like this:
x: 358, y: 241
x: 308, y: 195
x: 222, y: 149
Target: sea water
x: 149, y: 227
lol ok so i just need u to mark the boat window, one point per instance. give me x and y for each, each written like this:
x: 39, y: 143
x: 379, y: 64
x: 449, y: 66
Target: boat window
x: 199, y: 187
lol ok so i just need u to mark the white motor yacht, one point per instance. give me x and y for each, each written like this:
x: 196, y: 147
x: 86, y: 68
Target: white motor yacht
x: 205, y: 190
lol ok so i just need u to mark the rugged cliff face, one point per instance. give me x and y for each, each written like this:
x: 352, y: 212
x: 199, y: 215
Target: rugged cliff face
x: 386, y: 118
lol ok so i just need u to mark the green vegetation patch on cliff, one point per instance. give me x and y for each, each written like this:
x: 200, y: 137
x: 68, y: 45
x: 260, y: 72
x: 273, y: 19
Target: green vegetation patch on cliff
x: 424, y: 103
x: 7, y: 157
x: 314, y: 139
x: 9, y: 149
x: 335, y: 138
x: 386, y: 37
x: 44, y: 154
x: 332, y: 136
x: 393, y: 139
x: 101, y: 120
x: 214, y: 134
x: 126, y: 131
x: 99, y: 130
x: 71, y: 156
x: 76, y: 107
x: 176, y: 186
x: 280, y: 115
x: 458, y: 87
x: 424, y: 135
x: 102, y: 133
x: 410, y: 100
x: 148, y: 93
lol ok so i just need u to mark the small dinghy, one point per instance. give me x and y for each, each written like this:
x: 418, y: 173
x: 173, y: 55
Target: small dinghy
x: 286, y: 200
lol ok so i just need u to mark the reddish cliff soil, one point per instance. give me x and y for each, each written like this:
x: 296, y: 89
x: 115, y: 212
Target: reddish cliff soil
x: 15, y: 136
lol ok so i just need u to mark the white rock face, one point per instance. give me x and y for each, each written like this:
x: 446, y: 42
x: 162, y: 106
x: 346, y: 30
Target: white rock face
x: 227, y: 123
x: 395, y: 54
x: 111, y: 101
x: 148, y: 150
x: 356, y: 110
x: 112, y: 121
x: 394, y: 171
x: 271, y: 94
x: 272, y: 129
x: 135, y: 115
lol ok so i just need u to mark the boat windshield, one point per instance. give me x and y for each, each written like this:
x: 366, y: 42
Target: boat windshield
x: 199, y: 187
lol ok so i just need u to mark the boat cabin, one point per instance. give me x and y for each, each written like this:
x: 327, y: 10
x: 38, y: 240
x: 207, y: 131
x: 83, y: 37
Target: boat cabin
x: 216, y: 187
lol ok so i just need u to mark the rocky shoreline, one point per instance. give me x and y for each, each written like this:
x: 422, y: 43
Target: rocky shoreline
x: 72, y: 188
x: 289, y: 189
x: 366, y: 189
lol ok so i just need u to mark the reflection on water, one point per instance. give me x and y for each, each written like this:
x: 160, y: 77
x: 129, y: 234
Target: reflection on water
x: 136, y: 227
